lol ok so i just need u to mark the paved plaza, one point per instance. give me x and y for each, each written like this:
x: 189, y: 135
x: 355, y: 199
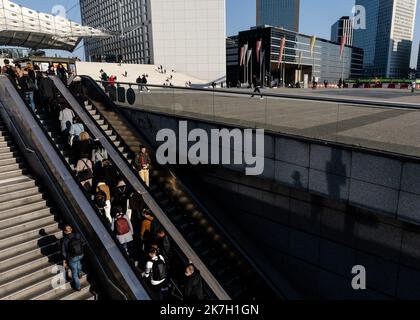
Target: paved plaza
x: 390, y: 129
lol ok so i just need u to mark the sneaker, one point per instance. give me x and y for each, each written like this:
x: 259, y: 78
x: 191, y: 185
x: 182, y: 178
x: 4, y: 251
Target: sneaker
x: 262, y: 98
x: 148, y: 90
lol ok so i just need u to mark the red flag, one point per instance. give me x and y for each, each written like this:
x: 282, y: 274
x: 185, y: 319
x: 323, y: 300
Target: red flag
x: 258, y: 49
x: 282, y: 46
x: 343, y: 44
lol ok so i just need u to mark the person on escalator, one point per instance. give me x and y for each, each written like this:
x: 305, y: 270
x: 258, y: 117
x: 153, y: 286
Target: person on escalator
x: 84, y: 147
x: 123, y: 228
x: 66, y: 117
x: 156, y: 271
x: 164, y: 244
x: 99, y: 154
x: 193, y: 284
x: 10, y: 71
x: 46, y: 91
x: 121, y: 197
x: 27, y: 85
x: 77, y: 90
x: 76, y: 130
x: 84, y: 170
x: 109, y: 173
x: 104, y: 78
x: 102, y: 189
x: 142, y: 162
x: 147, y: 229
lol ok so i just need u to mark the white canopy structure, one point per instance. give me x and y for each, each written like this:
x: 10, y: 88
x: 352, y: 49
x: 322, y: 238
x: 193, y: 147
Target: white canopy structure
x: 20, y: 26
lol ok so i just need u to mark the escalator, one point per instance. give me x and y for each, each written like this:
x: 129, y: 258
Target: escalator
x: 238, y: 275
x: 30, y: 256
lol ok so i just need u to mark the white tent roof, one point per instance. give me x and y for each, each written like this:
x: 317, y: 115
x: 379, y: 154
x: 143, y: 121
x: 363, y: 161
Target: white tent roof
x: 20, y: 26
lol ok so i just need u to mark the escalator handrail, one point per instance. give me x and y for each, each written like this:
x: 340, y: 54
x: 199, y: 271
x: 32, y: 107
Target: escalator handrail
x: 142, y: 294
x: 202, y: 207
x: 132, y: 177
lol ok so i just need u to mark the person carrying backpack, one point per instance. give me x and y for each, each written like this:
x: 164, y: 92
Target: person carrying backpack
x: 156, y: 272
x: 8, y: 70
x: 72, y: 251
x: 123, y: 228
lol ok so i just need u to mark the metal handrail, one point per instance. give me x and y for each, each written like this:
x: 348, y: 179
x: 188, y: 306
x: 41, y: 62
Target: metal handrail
x: 354, y: 102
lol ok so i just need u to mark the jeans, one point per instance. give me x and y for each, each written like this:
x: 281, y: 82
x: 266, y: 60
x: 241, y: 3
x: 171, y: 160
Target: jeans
x: 76, y: 268
x: 30, y: 98
x: 144, y: 175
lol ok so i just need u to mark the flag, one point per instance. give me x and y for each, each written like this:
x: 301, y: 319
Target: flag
x: 282, y: 46
x: 312, y: 46
x: 248, y: 56
x: 258, y: 49
x: 343, y: 44
x: 242, y: 56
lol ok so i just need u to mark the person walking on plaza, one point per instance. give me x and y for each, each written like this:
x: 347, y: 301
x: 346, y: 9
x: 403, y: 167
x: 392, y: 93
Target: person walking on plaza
x: 72, y: 251
x: 142, y: 162
x: 257, y: 85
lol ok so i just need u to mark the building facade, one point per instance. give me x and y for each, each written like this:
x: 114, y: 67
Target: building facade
x: 279, y: 13
x: 298, y: 63
x: 418, y: 65
x: 343, y: 26
x: 388, y: 37
x: 184, y: 35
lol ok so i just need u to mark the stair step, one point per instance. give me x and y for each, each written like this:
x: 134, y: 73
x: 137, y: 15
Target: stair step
x: 27, y: 234
x: 28, y: 266
x: 24, y: 218
x: 12, y: 174
x: 35, y: 288
x: 31, y: 243
x: 49, y: 293
x: 20, y: 210
x: 9, y: 161
x: 8, y: 155
x: 8, y: 149
x: 12, y: 195
x: 30, y: 254
x: 11, y: 230
x: 5, y: 205
x: 19, y: 183
x: 11, y: 167
x: 67, y: 292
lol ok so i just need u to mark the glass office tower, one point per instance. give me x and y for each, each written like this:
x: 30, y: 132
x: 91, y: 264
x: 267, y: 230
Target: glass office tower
x: 279, y: 13
x: 343, y: 26
x: 388, y: 37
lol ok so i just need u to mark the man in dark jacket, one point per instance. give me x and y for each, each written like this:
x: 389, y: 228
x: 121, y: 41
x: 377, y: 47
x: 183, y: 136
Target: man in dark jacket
x: 163, y: 243
x: 47, y: 91
x: 72, y: 251
x: 193, y: 285
x: 257, y: 85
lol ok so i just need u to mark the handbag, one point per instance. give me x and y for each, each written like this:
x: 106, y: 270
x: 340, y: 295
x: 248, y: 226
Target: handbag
x: 85, y: 174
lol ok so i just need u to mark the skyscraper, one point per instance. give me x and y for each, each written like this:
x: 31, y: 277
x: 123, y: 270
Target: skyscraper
x: 388, y: 37
x: 186, y: 35
x: 343, y: 26
x: 279, y: 13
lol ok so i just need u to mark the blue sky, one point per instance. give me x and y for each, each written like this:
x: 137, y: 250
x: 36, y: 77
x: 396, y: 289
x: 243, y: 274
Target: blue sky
x: 316, y: 16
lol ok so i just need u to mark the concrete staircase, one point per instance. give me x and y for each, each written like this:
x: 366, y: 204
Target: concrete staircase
x: 29, y: 235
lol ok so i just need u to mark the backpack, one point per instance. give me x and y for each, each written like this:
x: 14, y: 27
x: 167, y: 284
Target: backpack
x: 100, y: 199
x: 159, y: 271
x: 75, y: 247
x: 122, y: 226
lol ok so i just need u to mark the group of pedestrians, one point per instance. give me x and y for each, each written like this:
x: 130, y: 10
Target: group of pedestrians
x: 122, y: 209
x: 142, y: 82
